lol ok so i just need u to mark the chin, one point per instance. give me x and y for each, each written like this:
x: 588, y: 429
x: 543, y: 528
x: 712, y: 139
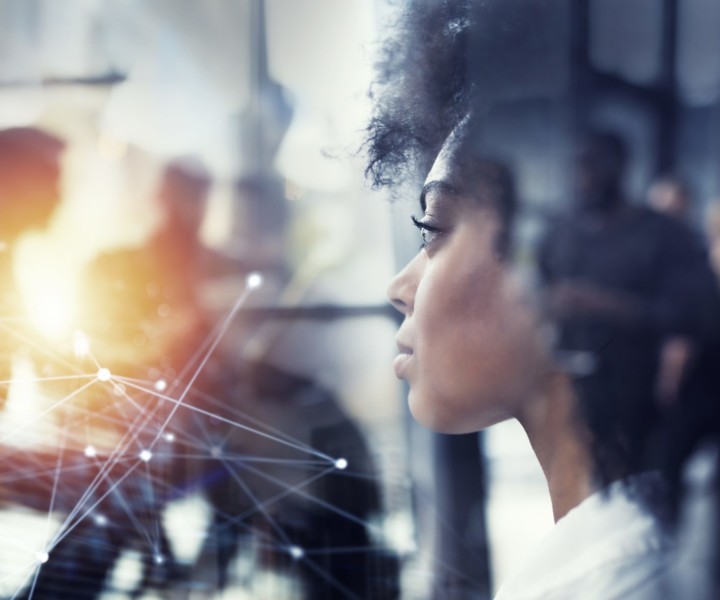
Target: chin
x: 442, y: 416
x: 432, y: 413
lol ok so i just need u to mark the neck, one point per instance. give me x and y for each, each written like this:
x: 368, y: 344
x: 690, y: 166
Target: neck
x: 560, y: 445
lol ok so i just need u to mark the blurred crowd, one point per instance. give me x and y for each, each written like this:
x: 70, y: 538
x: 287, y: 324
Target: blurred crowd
x: 179, y: 415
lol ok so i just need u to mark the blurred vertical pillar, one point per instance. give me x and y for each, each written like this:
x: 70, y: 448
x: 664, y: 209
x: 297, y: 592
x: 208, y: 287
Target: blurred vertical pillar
x: 462, y: 561
x: 669, y: 107
x: 267, y: 116
x: 580, y: 89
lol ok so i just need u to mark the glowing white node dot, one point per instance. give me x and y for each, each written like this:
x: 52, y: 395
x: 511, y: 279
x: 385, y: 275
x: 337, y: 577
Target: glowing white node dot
x: 215, y: 451
x: 296, y: 552
x: 42, y: 556
x: 161, y: 385
x: 169, y: 437
x: 90, y: 451
x: 104, y: 374
x: 145, y: 455
x: 341, y: 464
x: 159, y: 559
x: 100, y: 520
x: 254, y: 280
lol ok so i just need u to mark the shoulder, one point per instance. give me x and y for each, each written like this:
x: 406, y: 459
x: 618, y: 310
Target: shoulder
x: 653, y: 222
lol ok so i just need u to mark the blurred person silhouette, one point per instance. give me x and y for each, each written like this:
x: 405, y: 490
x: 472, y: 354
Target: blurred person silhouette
x: 690, y: 457
x: 670, y: 195
x: 29, y: 194
x: 249, y: 438
x: 624, y: 278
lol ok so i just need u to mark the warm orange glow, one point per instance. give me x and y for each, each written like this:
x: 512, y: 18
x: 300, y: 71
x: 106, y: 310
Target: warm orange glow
x: 46, y: 283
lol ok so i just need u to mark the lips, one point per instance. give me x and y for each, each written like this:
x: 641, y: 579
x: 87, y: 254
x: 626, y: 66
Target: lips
x: 401, y: 360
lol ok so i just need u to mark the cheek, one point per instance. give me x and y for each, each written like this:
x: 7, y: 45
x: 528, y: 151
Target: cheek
x: 467, y: 349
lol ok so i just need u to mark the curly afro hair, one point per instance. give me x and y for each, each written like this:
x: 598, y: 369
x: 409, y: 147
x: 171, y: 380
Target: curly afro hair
x: 422, y: 89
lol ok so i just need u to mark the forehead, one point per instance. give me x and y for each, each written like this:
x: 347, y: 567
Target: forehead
x: 443, y: 177
x: 442, y: 167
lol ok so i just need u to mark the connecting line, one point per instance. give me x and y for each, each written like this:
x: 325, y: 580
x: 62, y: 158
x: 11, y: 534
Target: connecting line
x: 134, y: 519
x: 204, y: 396
x: 34, y: 582
x: 56, y: 480
x: 154, y: 518
x: 331, y: 580
x: 40, y: 348
x: 91, y: 356
x: 63, y: 533
x: 335, y: 509
x: 201, y: 411
x: 46, y: 411
x: 113, y: 460
x: 341, y: 550
x: 33, y: 573
x: 110, y: 463
x: 221, y: 332
x: 247, y: 458
x: 268, y: 517
x: 143, y: 411
x: 13, y: 542
x: 284, y: 494
x: 99, y: 415
x: 247, y: 417
x: 40, y: 473
x: 47, y: 379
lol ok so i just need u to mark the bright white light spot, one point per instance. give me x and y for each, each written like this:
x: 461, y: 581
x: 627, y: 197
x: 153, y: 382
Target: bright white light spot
x: 400, y: 532
x: 90, y: 451
x: 42, y: 556
x: 215, y: 452
x: 81, y: 344
x: 46, y: 279
x: 159, y: 559
x: 104, y: 374
x: 127, y: 572
x: 161, y: 385
x: 341, y: 464
x: 169, y: 437
x: 100, y: 520
x: 254, y: 280
x: 296, y: 552
x: 186, y: 522
x: 145, y: 455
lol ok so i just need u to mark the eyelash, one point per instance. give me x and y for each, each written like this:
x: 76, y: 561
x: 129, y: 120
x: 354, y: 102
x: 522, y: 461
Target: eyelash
x: 427, y: 232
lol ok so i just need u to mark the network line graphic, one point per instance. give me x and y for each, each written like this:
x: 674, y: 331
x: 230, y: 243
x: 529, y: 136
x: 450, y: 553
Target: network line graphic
x: 194, y: 479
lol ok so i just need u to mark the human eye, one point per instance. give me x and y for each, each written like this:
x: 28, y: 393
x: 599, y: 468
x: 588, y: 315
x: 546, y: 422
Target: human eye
x: 429, y: 233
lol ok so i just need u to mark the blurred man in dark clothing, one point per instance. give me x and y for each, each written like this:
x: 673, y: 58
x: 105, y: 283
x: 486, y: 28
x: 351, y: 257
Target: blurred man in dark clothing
x: 620, y: 280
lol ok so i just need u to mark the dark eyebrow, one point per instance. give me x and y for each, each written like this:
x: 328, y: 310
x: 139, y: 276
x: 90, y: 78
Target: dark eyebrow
x: 437, y: 185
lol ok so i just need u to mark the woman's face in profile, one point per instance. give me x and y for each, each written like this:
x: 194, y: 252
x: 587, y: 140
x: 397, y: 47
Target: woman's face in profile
x: 469, y: 344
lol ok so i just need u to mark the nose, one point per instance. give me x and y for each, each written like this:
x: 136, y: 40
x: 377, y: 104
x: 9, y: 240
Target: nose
x: 401, y: 291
